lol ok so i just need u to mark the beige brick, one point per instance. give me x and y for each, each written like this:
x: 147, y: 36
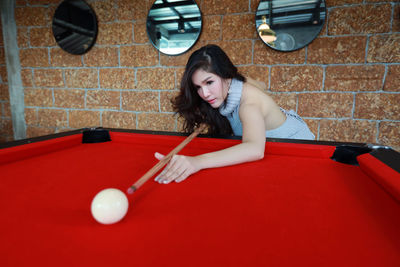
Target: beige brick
x: 48, y: 78
x: 165, y: 100
x: 39, y: 2
x: 157, y: 78
x: 389, y: 133
x: 396, y: 18
x: 180, y: 60
x: 377, y: 106
x: 34, y: 131
x: 125, y: 7
x: 258, y: 73
x: 156, y: 121
x: 117, y: 78
x: 331, y: 3
x: 136, y: 10
x: 266, y: 55
x: 101, y: 57
x: 41, y: 37
x: 2, y: 57
x: 384, y: 48
x: 23, y: 37
x: 117, y: 33
x: 296, y: 78
x: 254, y: 5
x: 4, y: 95
x: 38, y: 97
x: 140, y: 32
x: 84, y: 119
x: 69, y: 98
x: 52, y: 118
x: 339, y: 50
x: 212, y: 28
x: 60, y: 58
x: 27, y: 77
x: 82, y: 78
x: 31, y: 16
x: 366, y: 19
x: 287, y: 101
x: 243, y: 25
x: 140, y: 101
x: 119, y: 120
x: 179, y: 74
x: 180, y: 125
x: 392, y: 82
x: 6, y: 110
x: 348, y: 131
x: 220, y: 7
x: 139, y: 55
x: 239, y: 51
x: 354, y: 78
x: 34, y: 57
x: 6, y: 128
x: 105, y: 11
x: 31, y: 116
x: 325, y: 105
x: 3, y: 74
x: 313, y: 125
x: 101, y: 99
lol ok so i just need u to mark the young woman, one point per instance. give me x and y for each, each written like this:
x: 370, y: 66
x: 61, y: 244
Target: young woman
x: 214, y: 93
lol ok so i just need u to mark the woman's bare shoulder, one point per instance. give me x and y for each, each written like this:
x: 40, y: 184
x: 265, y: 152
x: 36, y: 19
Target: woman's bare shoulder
x: 252, y: 93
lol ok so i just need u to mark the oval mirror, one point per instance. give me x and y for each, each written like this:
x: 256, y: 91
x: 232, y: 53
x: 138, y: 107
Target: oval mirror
x: 288, y: 25
x: 174, y: 26
x: 74, y: 26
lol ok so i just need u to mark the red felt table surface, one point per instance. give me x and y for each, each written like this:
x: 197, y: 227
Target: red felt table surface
x: 296, y: 207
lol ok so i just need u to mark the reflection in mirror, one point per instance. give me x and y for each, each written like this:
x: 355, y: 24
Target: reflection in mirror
x: 174, y: 26
x: 74, y: 26
x: 288, y: 25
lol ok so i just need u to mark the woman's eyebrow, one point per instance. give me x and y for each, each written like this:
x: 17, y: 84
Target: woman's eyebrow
x: 206, y: 79
x: 203, y: 81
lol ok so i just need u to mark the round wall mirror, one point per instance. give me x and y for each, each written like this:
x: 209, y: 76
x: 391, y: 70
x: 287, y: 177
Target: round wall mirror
x: 288, y: 25
x: 74, y: 26
x: 174, y: 26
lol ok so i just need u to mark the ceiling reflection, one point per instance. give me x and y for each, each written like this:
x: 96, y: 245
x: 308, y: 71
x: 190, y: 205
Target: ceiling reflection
x: 174, y: 26
x: 295, y: 22
x: 74, y: 26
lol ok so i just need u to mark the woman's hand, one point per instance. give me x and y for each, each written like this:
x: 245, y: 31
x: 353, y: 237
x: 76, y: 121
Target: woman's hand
x: 178, y: 169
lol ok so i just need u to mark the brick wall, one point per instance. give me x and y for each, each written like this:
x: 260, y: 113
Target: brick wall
x: 6, y: 131
x: 345, y: 84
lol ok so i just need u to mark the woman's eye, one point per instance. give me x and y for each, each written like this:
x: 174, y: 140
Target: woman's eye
x: 209, y: 82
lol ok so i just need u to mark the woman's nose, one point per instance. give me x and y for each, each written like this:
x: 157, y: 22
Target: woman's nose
x: 205, y: 92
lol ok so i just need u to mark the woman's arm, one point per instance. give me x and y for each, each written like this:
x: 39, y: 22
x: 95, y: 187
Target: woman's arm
x: 251, y: 148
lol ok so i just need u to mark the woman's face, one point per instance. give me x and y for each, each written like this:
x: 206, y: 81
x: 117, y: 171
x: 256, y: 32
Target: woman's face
x: 210, y: 87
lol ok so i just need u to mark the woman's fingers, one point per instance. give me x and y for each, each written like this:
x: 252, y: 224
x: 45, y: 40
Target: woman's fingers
x: 178, y: 169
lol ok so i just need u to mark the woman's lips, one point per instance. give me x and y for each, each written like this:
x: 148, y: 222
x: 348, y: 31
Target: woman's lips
x: 211, y: 101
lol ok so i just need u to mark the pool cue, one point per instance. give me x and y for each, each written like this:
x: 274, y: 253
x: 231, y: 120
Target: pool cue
x: 164, y: 161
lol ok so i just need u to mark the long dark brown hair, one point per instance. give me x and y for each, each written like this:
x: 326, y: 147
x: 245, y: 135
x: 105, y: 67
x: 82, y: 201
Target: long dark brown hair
x: 189, y: 105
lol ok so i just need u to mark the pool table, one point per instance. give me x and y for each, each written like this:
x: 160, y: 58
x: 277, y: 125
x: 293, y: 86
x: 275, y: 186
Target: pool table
x: 301, y: 205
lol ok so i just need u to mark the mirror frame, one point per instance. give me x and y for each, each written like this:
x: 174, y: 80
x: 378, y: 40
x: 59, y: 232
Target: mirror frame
x: 277, y: 32
x: 71, y: 29
x: 151, y: 33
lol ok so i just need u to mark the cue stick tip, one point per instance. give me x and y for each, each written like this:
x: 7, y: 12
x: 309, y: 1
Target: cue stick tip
x: 131, y: 189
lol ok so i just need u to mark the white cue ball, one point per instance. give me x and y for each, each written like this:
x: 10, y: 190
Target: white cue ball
x: 109, y: 206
